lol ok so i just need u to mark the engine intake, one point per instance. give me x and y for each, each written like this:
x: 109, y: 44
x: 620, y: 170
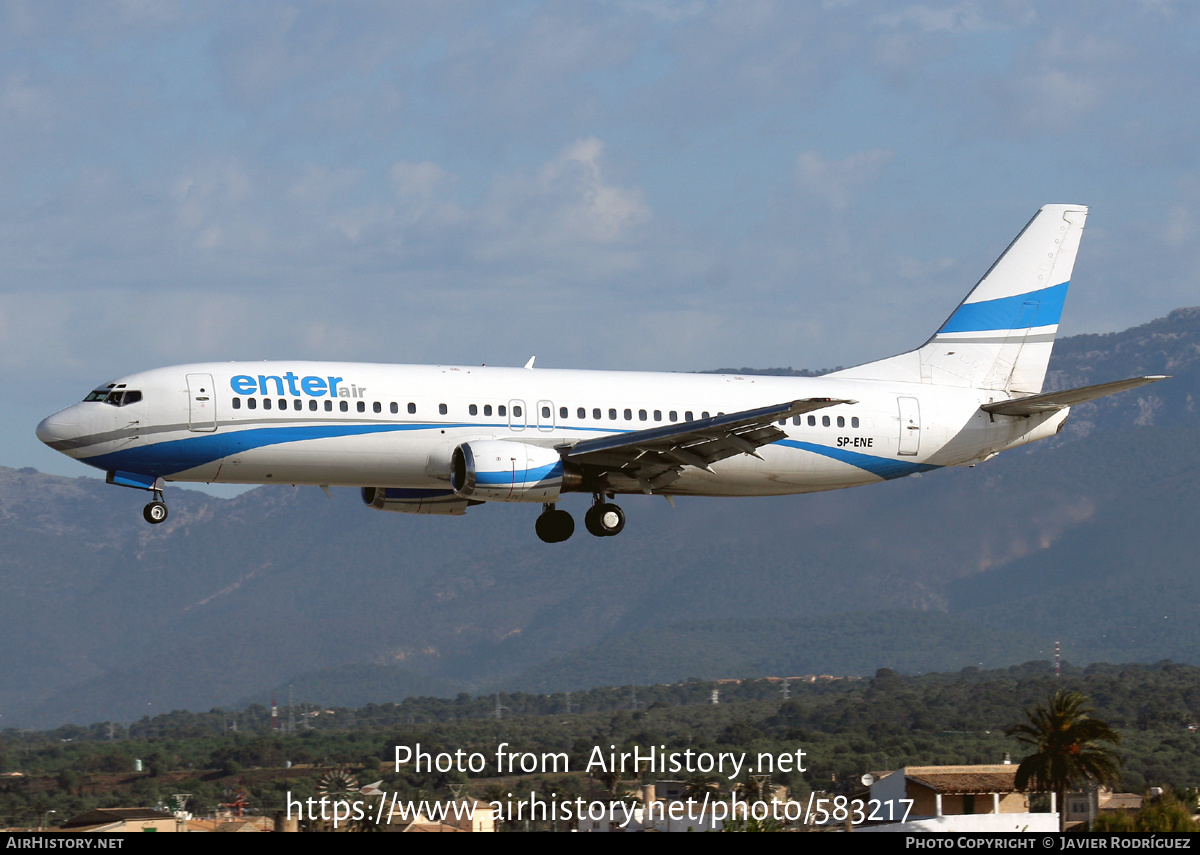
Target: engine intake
x: 503, y: 471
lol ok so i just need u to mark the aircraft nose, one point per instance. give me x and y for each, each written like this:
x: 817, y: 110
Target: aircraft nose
x: 56, y: 429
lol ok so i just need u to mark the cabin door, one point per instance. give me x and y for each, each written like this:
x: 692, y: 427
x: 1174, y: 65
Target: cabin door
x: 910, y: 426
x: 202, y: 403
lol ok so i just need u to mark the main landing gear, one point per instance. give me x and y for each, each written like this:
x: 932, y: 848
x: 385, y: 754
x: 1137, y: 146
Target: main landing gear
x: 603, y: 519
x: 156, y: 511
x: 554, y: 526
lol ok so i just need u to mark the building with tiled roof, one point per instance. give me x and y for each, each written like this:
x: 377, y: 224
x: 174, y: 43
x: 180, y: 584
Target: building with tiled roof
x: 956, y: 798
x: 122, y: 821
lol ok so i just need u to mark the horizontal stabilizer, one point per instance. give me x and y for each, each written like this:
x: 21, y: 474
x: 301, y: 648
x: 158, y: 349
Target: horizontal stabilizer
x: 1050, y: 402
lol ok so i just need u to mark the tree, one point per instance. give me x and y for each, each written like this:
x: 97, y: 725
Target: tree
x: 1071, y: 748
x: 700, y: 786
x: 1164, y: 813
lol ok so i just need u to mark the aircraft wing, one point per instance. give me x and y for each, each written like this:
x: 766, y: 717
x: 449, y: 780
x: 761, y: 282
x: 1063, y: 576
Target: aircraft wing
x: 1050, y: 402
x: 654, y: 457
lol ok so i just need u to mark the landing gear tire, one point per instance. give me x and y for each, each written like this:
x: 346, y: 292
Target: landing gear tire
x: 604, y: 519
x: 554, y: 526
x: 155, y: 512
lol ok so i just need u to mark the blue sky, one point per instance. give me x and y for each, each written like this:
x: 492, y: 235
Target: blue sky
x: 633, y: 185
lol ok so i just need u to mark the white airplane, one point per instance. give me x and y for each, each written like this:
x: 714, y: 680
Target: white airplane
x: 438, y: 439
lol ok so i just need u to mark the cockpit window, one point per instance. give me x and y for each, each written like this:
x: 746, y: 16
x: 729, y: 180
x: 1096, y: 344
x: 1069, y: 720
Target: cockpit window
x: 115, y: 397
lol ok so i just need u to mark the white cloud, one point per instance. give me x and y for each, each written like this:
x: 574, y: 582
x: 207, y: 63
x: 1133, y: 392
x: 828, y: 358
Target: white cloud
x: 567, y: 212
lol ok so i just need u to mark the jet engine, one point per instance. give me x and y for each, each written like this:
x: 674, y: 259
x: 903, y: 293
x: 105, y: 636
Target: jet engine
x: 405, y: 501
x: 504, y: 471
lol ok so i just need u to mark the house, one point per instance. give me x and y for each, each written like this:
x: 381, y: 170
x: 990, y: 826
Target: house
x: 953, y: 798
x: 123, y: 821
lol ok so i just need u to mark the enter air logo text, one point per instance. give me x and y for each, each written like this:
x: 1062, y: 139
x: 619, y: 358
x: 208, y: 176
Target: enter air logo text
x: 290, y: 384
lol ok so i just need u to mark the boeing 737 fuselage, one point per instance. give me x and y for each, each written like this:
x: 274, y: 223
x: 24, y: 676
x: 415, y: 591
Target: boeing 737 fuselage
x: 439, y: 439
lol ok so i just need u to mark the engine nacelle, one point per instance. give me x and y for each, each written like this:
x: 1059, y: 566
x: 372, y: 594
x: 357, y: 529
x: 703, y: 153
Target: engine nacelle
x: 406, y: 501
x: 503, y: 471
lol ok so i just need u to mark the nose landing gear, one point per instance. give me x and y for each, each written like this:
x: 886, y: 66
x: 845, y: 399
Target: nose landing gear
x: 156, y: 511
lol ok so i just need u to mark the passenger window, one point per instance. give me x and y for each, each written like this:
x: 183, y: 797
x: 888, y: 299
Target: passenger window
x: 502, y: 410
x: 581, y: 413
x: 782, y: 422
x: 796, y: 420
x: 546, y: 413
x: 824, y: 421
x: 442, y: 409
x: 283, y: 403
x: 473, y: 410
x: 361, y: 406
x: 854, y: 421
x: 377, y: 407
x: 562, y: 412
x: 612, y: 414
x: 266, y: 403
x: 841, y: 421
x: 704, y: 414
x: 641, y: 415
x: 487, y: 409
x: 237, y: 403
x: 812, y: 421
x: 344, y: 406
x: 516, y: 412
x: 329, y: 406
x: 673, y: 415
x: 687, y: 416
x: 412, y: 408
x: 297, y: 404
x: 251, y: 403
x: 312, y: 404
x: 395, y: 408
x: 628, y: 415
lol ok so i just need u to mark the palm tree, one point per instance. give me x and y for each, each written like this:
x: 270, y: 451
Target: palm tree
x: 1070, y: 748
x: 699, y: 786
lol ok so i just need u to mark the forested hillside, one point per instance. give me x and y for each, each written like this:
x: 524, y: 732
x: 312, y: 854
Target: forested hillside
x: 844, y: 728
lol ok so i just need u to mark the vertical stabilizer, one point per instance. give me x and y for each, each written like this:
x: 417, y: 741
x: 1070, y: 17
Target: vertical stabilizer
x: 1001, y: 335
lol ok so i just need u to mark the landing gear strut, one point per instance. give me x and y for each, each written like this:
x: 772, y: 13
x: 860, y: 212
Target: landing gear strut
x: 156, y: 511
x: 553, y: 525
x: 604, y: 519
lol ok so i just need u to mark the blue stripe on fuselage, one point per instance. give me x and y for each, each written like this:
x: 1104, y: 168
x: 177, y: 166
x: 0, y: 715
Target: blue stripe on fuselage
x: 884, y: 467
x: 167, y: 458
x: 179, y: 455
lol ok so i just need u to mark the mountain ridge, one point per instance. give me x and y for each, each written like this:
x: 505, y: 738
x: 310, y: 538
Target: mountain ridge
x: 105, y: 617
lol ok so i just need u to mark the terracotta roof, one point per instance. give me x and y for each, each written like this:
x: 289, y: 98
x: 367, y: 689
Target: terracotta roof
x: 236, y: 826
x: 106, y: 815
x: 432, y: 827
x: 965, y: 780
